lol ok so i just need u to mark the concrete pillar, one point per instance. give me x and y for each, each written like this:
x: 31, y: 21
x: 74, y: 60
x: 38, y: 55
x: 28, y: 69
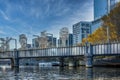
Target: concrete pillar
x: 12, y: 63
x: 89, y: 55
x: 75, y: 61
x: 61, y: 62
x: 89, y: 61
x: 16, y: 59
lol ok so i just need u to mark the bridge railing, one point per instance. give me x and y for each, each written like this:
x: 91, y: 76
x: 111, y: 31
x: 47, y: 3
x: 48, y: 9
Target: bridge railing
x: 98, y: 49
x: 7, y: 54
x: 106, y: 49
x: 61, y: 51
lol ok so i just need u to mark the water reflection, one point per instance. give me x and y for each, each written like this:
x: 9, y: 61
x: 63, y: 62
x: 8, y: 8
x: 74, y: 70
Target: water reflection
x: 56, y: 73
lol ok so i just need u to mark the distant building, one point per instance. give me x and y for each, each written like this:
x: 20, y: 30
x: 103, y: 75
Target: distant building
x: 70, y: 41
x: 59, y: 42
x: 23, y: 41
x: 35, y: 43
x: 29, y: 46
x: 101, y: 8
x: 45, y: 40
x: 64, y: 37
x: 96, y: 24
x: 51, y: 41
x: 80, y: 31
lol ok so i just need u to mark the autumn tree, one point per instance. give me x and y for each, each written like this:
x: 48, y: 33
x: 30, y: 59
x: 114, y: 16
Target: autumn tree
x: 110, y: 21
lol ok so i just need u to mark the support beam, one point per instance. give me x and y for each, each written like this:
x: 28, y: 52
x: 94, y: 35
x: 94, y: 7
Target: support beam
x: 75, y: 62
x: 16, y: 59
x: 12, y: 63
x: 89, y: 61
x: 62, y: 62
x: 89, y: 55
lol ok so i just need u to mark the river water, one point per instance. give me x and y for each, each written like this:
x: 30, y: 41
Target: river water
x: 56, y: 73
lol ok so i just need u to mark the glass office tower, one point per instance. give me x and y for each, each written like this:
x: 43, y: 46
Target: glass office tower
x: 103, y: 7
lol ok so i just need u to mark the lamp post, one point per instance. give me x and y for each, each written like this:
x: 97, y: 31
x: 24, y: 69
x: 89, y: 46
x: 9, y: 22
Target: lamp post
x: 108, y: 40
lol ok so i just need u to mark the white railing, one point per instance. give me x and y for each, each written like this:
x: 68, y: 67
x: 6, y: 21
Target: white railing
x: 98, y: 49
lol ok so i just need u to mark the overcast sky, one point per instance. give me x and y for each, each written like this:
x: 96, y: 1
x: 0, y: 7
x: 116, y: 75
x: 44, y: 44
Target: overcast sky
x: 33, y: 16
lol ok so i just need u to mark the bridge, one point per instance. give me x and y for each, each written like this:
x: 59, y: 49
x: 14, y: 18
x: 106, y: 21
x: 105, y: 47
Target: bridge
x: 87, y: 51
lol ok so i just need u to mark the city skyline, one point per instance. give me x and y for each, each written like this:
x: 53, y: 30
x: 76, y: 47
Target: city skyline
x: 31, y: 17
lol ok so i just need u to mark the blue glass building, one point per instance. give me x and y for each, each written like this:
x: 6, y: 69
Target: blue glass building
x: 101, y: 8
x: 50, y: 41
x: 80, y: 31
x: 70, y: 39
x: 68, y: 42
x: 35, y: 43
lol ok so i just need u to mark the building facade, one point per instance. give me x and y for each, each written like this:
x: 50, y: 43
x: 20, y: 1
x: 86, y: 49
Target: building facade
x: 70, y: 40
x: 35, y: 43
x: 101, y: 8
x: 23, y: 41
x: 81, y: 30
x: 64, y: 37
x: 51, y: 41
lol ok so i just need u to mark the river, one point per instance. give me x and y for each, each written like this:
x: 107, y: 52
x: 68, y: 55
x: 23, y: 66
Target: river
x: 57, y: 73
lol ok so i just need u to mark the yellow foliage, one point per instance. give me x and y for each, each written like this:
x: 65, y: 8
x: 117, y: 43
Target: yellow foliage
x: 110, y: 21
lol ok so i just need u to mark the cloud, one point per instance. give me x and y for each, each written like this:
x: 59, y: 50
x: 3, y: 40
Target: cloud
x: 2, y: 32
x: 13, y: 29
x: 4, y: 15
x: 84, y: 13
x: 52, y: 14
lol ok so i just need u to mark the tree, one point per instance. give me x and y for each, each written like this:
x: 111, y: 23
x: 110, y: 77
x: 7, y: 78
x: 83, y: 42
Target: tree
x: 111, y: 21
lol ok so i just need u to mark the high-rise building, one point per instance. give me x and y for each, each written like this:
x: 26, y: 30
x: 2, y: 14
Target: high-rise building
x: 70, y: 41
x: 23, y: 41
x: 35, y: 43
x: 64, y: 37
x: 80, y: 31
x: 51, y: 41
x: 103, y: 7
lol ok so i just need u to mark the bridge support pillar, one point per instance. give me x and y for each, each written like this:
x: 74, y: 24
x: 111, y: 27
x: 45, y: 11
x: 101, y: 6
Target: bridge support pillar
x: 89, y: 56
x: 89, y: 61
x: 16, y: 59
x: 75, y: 61
x: 61, y: 62
x: 12, y: 63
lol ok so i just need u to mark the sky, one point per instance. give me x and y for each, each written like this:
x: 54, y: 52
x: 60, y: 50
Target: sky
x: 33, y: 16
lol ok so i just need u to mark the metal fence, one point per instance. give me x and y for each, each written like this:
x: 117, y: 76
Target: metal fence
x: 98, y: 49
x: 62, y: 51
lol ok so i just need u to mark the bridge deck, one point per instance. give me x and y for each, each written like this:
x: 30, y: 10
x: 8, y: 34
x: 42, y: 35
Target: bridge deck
x: 97, y: 50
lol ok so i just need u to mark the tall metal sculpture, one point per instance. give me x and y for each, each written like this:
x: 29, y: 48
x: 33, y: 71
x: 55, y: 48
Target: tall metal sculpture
x: 23, y: 41
x: 5, y: 46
